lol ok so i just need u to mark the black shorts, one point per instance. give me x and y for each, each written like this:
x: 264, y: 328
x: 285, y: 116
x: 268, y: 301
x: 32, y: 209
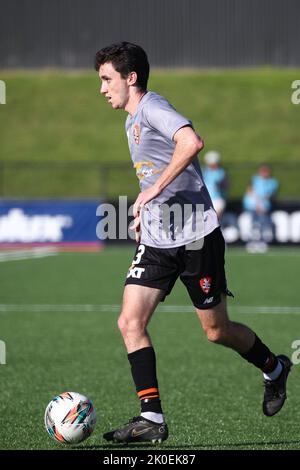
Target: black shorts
x: 201, y: 271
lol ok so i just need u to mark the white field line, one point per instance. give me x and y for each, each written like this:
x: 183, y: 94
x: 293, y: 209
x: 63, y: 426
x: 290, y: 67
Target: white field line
x: 260, y: 309
x: 42, y: 252
x: 27, y: 254
x: 244, y: 253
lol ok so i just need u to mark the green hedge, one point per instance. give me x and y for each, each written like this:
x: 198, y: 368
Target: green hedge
x: 59, y: 118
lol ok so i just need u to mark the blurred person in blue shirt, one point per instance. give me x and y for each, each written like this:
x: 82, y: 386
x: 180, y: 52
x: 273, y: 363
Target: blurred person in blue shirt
x: 258, y: 201
x: 216, y: 181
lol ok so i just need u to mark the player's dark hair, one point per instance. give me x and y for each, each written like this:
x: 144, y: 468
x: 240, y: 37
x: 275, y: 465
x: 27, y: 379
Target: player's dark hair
x: 125, y: 58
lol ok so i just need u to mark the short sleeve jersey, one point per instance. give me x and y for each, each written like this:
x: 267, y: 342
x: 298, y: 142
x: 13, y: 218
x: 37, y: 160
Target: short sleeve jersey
x: 150, y: 133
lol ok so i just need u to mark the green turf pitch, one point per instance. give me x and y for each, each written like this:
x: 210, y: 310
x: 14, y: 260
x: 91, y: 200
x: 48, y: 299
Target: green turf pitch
x: 58, y: 320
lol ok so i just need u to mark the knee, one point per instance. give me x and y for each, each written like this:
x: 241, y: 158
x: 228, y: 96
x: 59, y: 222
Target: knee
x: 130, y: 326
x: 123, y: 324
x: 217, y: 335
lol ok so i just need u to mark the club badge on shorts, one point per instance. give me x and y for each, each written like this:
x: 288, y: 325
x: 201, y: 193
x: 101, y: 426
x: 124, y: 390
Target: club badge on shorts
x: 205, y: 284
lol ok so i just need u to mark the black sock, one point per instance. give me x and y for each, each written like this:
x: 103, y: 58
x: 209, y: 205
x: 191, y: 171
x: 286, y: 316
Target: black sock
x: 261, y: 356
x: 143, y: 369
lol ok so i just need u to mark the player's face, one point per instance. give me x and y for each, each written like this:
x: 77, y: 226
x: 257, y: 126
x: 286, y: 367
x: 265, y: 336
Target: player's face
x: 113, y: 86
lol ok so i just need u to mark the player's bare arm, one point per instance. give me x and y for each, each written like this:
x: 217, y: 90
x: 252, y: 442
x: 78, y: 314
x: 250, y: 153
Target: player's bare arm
x: 188, y: 145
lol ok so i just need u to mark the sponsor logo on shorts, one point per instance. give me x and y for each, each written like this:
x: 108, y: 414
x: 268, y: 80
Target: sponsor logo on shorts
x: 135, y: 272
x: 205, y: 284
x: 208, y: 300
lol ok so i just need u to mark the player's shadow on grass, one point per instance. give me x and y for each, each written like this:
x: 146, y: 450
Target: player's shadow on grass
x: 213, y: 446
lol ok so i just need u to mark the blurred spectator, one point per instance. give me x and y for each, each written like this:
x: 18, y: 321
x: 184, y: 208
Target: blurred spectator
x: 258, y: 202
x: 216, y: 181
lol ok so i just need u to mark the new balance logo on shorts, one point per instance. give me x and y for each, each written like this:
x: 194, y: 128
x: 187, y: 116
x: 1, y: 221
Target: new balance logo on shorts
x: 209, y: 300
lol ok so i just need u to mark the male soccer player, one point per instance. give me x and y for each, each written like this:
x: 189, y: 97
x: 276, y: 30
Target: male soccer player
x: 164, y: 149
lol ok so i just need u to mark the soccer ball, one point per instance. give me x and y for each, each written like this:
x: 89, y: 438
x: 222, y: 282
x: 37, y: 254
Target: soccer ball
x: 70, y: 418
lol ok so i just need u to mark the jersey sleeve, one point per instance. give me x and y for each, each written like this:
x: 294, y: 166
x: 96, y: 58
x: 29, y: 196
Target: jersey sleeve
x: 162, y: 117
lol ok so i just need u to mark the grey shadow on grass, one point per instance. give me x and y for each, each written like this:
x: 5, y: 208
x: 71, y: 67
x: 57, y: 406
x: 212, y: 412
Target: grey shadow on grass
x: 213, y: 446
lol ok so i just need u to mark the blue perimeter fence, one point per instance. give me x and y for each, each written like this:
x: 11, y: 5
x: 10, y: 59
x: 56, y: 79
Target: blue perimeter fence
x: 56, y: 203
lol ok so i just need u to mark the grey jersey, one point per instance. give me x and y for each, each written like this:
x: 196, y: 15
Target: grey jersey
x: 171, y: 219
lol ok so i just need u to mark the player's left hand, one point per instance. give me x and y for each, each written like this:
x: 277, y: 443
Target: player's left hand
x: 143, y: 198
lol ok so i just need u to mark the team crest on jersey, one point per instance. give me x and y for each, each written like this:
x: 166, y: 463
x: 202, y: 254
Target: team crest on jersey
x: 205, y: 284
x: 136, y: 133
